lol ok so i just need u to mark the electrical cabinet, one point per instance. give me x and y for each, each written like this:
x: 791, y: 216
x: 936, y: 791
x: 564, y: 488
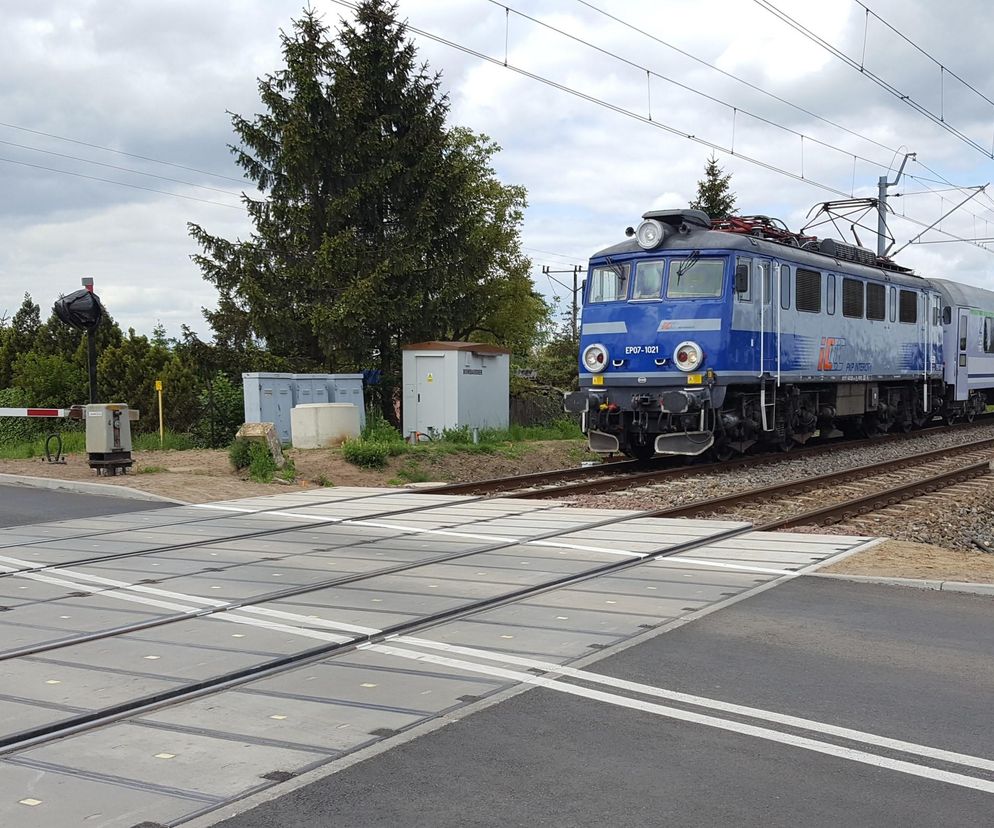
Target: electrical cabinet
x: 108, y: 436
x: 449, y: 385
x: 271, y: 397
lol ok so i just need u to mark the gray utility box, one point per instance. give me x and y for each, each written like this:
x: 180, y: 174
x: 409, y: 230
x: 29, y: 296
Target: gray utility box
x: 270, y: 397
x: 108, y: 437
x: 455, y: 384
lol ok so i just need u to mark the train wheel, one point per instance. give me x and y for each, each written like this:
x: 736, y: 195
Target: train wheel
x: 870, y: 426
x: 722, y: 451
x: 783, y: 442
x: 642, y: 451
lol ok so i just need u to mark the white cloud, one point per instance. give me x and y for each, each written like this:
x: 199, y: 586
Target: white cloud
x: 157, y: 79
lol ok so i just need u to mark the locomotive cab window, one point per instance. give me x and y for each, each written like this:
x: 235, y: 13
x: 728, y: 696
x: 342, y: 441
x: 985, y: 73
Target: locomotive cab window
x: 695, y: 278
x: 908, y: 311
x: 876, y: 301
x: 648, y: 280
x: 609, y: 283
x: 852, y: 298
x: 808, y: 290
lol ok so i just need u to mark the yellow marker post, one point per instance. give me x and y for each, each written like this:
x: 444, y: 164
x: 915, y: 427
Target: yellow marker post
x: 162, y: 427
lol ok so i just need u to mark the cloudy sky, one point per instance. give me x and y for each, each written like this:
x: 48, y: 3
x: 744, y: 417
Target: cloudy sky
x: 113, y: 125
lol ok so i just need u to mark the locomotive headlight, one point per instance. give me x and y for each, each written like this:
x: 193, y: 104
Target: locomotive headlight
x: 649, y: 234
x: 688, y: 356
x: 594, y: 358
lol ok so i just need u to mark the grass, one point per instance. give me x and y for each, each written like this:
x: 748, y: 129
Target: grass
x: 151, y: 469
x: 380, y: 441
x: 410, y: 473
x: 72, y: 441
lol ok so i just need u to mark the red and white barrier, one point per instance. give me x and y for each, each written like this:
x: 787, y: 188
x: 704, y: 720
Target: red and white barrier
x: 34, y: 412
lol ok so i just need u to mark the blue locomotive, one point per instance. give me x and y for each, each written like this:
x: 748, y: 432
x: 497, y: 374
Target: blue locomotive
x: 696, y: 339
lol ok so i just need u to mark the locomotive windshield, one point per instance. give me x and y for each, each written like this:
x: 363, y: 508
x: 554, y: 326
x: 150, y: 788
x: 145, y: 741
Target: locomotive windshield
x: 609, y: 283
x: 695, y: 278
x: 648, y: 280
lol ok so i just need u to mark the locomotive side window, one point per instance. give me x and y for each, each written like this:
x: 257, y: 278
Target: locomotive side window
x: 763, y: 269
x: 609, y: 283
x: 808, y: 290
x: 909, y: 307
x: 784, y: 286
x: 892, y: 302
x: 648, y: 280
x: 743, y: 284
x: 988, y: 335
x: 695, y: 278
x: 830, y: 294
x: 875, y: 301
x: 852, y: 298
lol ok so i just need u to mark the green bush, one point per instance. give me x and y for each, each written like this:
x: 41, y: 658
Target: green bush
x: 366, y: 454
x: 239, y: 454
x: 261, y: 466
x: 378, y: 430
x: 289, y: 470
x: 460, y: 436
x: 222, y: 411
x: 15, y: 430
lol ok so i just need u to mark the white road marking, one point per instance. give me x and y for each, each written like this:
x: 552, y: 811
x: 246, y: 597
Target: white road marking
x: 768, y: 734
x: 703, y: 701
x: 663, y: 559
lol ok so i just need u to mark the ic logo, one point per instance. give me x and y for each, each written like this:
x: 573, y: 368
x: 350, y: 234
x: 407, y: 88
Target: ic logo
x: 829, y: 353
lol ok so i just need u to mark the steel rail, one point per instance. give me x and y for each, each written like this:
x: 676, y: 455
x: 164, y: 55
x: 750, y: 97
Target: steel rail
x: 511, y: 486
x: 858, y: 506
x: 258, y: 533
x: 520, y: 481
x: 715, y: 505
x: 296, y: 591
x: 207, y: 518
x: 145, y: 704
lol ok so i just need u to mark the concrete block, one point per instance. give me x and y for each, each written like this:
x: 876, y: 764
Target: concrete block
x: 264, y: 432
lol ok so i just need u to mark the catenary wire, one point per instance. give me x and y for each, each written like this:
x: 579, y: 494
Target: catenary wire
x: 773, y: 96
x: 119, y: 168
x: 619, y: 109
x: 913, y: 44
x: 120, y: 183
x: 883, y: 84
x: 76, y: 141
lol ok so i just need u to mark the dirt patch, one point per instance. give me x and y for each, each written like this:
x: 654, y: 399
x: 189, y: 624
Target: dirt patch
x: 200, y: 476
x: 904, y: 559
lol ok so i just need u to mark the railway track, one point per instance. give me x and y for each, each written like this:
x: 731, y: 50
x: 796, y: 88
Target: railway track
x: 838, y: 496
x: 336, y: 639
x: 619, y: 475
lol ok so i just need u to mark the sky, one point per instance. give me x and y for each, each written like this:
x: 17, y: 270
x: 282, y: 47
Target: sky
x: 115, y: 125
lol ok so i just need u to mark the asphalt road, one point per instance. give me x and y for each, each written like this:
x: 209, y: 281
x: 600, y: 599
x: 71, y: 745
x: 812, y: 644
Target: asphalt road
x: 905, y: 664
x: 22, y: 504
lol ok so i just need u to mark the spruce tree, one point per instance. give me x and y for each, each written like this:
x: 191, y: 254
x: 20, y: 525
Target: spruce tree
x: 377, y: 224
x: 714, y: 196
